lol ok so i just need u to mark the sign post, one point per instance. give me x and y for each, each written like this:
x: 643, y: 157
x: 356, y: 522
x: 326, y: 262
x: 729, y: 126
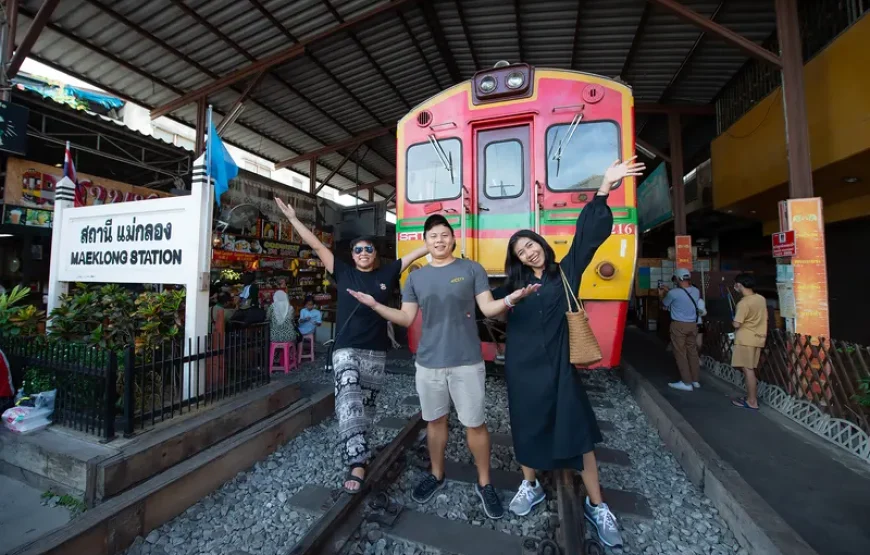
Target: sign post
x: 149, y: 241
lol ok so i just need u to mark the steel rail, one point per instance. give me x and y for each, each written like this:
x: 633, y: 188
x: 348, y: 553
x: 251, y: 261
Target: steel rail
x: 319, y: 536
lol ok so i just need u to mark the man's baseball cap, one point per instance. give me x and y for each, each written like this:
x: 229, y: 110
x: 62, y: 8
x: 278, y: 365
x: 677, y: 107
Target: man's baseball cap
x: 683, y: 273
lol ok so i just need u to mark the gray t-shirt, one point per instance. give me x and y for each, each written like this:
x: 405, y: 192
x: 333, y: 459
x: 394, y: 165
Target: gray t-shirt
x: 446, y: 296
x: 681, y: 306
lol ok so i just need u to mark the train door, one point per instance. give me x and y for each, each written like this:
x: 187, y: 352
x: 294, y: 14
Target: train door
x: 503, y: 194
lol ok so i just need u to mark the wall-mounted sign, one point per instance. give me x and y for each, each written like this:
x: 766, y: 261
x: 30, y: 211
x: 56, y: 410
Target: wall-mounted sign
x: 654, y: 199
x: 683, y: 256
x: 784, y: 244
x: 13, y: 128
x: 31, y: 185
x: 32, y: 217
x: 143, y: 242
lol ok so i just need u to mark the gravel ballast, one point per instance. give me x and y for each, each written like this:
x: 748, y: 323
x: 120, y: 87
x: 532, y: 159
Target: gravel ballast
x: 251, y: 513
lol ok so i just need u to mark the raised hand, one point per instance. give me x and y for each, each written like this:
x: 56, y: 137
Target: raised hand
x: 523, y: 292
x: 287, y: 210
x: 363, y: 298
x: 619, y: 170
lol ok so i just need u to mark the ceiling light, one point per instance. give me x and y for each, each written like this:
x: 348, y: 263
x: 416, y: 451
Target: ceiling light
x: 851, y: 179
x: 4, y: 235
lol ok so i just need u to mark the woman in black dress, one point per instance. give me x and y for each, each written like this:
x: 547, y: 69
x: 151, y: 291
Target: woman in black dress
x: 552, y: 422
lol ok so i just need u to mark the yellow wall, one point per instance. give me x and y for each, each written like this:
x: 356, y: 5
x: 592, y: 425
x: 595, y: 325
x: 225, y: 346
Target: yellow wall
x: 750, y: 157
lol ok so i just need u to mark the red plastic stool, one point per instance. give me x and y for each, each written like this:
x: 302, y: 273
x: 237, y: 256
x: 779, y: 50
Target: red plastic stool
x: 310, y: 354
x: 288, y: 356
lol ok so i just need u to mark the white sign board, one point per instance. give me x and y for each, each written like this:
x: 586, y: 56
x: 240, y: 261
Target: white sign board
x: 149, y: 241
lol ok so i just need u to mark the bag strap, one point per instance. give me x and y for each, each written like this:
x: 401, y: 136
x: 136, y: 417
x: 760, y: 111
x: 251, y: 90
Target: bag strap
x: 570, y: 294
x: 691, y: 298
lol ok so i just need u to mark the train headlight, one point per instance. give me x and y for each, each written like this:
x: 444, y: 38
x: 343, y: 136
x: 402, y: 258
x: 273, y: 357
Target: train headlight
x: 606, y: 270
x: 515, y: 80
x: 487, y: 84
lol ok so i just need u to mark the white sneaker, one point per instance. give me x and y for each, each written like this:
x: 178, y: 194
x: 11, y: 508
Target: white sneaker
x: 696, y: 385
x: 527, y: 497
x: 681, y: 386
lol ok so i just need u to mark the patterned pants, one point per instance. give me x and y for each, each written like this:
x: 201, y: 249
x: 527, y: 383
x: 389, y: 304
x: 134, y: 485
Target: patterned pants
x: 359, y: 376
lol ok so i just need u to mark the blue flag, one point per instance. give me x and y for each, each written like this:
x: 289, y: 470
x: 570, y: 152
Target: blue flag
x: 221, y: 165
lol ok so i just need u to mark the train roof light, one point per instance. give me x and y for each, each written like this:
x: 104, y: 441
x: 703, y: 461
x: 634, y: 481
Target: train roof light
x: 515, y: 80
x: 488, y: 84
x: 501, y: 64
x: 505, y: 81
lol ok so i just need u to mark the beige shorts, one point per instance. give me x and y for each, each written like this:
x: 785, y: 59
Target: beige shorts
x: 465, y: 385
x: 744, y: 356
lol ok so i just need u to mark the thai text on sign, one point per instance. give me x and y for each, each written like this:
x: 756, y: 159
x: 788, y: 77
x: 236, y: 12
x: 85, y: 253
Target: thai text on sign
x: 810, y: 267
x: 683, y: 257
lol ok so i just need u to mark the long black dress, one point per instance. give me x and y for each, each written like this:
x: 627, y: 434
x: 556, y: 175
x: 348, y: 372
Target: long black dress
x: 552, y: 421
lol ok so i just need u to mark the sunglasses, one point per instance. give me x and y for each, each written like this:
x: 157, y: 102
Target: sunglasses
x: 368, y: 248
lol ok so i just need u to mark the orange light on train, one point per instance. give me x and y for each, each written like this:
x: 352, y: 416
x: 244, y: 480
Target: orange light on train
x: 606, y: 270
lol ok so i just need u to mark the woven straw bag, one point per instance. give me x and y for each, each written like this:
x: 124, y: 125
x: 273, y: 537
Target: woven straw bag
x: 584, y: 348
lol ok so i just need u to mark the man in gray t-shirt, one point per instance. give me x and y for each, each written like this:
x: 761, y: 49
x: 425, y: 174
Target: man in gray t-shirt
x: 447, y: 296
x: 449, y: 360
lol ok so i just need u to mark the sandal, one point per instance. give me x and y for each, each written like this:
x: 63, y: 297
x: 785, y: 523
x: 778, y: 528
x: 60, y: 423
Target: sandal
x: 351, y: 478
x: 741, y: 403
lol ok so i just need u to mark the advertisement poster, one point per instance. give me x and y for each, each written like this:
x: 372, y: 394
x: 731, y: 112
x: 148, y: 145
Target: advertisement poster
x: 810, y: 267
x: 654, y: 199
x: 31, y: 185
x: 683, y: 256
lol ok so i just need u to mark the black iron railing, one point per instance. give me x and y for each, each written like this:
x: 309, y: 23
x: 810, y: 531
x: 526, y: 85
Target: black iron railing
x: 826, y: 373
x: 101, y: 390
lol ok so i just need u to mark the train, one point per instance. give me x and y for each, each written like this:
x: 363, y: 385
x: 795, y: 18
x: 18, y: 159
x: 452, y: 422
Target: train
x: 523, y: 147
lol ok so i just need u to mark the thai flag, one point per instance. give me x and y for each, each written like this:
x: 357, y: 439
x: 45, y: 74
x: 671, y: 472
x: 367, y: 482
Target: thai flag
x: 69, y: 170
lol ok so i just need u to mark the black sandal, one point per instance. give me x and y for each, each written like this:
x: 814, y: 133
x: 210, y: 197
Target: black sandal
x: 351, y: 478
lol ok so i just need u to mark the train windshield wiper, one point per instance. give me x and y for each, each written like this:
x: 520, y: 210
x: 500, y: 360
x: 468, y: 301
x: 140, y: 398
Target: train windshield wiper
x: 446, y: 159
x: 562, y: 144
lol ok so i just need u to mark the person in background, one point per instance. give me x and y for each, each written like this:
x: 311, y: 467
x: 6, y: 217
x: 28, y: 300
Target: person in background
x: 222, y: 304
x: 682, y: 302
x: 449, y: 362
x: 250, y: 295
x: 280, y: 316
x: 750, y: 324
x: 309, y: 318
x: 361, y: 343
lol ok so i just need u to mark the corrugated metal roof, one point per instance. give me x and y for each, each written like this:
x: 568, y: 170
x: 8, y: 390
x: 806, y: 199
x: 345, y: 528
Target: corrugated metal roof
x: 152, y: 52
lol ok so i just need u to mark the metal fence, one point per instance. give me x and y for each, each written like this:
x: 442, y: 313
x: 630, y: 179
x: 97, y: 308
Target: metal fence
x: 826, y: 373
x: 100, y: 390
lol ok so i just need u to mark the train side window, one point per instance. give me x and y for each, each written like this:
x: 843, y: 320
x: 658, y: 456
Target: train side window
x: 576, y: 161
x: 503, y: 170
x: 434, y: 171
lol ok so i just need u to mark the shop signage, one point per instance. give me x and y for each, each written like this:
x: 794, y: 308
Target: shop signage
x: 32, y: 217
x: 31, y: 185
x: 784, y: 244
x: 144, y: 242
x: 683, y: 256
x: 13, y: 128
x: 804, y: 218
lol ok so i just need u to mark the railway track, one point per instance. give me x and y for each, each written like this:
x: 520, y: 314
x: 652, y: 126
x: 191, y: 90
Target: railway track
x: 344, y: 514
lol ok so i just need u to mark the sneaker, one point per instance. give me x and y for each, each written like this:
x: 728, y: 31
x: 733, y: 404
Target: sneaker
x: 527, y: 497
x: 427, y: 488
x: 696, y: 385
x: 681, y: 386
x: 491, y: 503
x: 604, y: 522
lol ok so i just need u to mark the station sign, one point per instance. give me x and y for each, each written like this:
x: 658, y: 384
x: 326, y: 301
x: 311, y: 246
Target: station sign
x: 784, y: 244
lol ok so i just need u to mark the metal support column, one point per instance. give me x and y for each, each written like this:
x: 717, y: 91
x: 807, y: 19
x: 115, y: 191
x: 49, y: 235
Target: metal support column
x: 199, y: 145
x: 678, y: 195
x: 312, y: 173
x: 8, y: 26
x: 797, y: 136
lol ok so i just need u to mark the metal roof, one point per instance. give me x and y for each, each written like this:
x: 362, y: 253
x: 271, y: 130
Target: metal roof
x: 369, y: 75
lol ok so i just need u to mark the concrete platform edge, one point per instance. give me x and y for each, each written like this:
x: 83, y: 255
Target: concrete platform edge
x: 112, y: 526
x: 758, y: 528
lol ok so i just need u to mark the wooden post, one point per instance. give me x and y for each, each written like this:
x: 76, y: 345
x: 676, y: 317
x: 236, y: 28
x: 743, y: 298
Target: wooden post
x: 312, y: 173
x: 797, y: 136
x: 678, y: 196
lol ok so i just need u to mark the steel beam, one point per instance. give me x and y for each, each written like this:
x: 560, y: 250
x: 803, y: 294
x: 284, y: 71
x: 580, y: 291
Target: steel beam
x: 635, y: 41
x: 430, y: 17
x: 312, y: 176
x: 278, y: 58
x: 12, y: 25
x: 329, y: 149
x: 682, y: 109
x: 689, y: 56
x: 576, y: 34
x: 720, y: 31
x: 236, y: 108
x: 678, y: 194
x: 368, y: 186
x: 36, y: 27
x: 797, y: 135
x: 517, y: 21
x: 652, y: 150
x: 326, y: 181
x: 467, y: 34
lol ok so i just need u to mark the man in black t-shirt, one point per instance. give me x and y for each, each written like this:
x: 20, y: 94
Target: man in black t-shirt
x: 361, y: 340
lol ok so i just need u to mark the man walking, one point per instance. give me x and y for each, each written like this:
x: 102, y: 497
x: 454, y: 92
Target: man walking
x: 750, y: 323
x: 450, y: 363
x: 682, y: 301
